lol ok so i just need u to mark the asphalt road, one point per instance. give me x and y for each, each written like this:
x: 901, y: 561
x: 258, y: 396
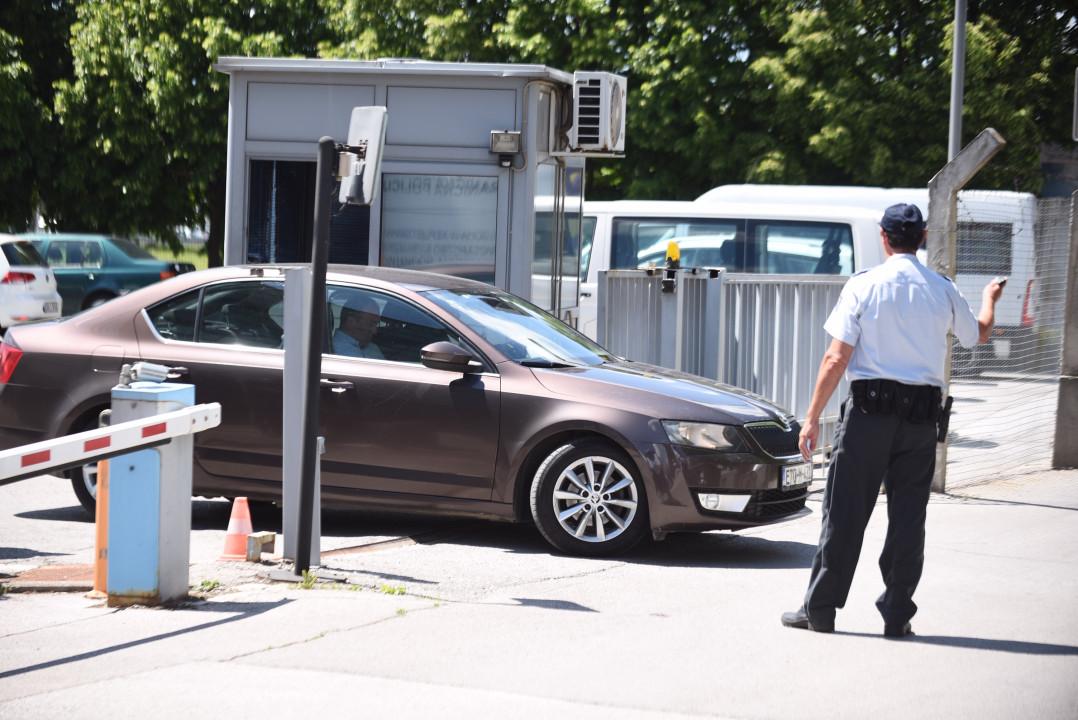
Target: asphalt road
x: 466, y: 619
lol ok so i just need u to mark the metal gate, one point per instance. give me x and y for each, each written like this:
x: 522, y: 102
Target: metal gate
x: 761, y: 333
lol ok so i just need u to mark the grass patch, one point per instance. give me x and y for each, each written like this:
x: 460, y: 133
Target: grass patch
x: 209, y: 585
x: 391, y: 589
x: 196, y: 257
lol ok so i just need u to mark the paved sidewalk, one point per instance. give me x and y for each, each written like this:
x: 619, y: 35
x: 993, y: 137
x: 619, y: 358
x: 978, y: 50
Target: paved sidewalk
x: 476, y: 619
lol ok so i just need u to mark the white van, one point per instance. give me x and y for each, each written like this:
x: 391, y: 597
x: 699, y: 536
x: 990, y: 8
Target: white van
x: 995, y: 237
x: 741, y: 237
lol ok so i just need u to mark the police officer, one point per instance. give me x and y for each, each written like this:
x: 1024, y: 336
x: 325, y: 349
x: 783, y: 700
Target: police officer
x: 889, y: 335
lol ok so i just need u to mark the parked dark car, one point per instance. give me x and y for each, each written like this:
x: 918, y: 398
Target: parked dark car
x: 470, y: 402
x: 93, y: 269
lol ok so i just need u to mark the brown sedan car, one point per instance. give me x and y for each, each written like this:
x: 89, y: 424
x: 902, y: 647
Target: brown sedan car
x: 444, y: 396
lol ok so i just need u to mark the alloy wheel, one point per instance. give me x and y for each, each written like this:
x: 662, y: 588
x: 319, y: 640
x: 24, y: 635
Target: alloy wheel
x: 595, y: 499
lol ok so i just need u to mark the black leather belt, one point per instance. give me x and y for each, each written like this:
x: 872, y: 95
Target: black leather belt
x: 914, y: 403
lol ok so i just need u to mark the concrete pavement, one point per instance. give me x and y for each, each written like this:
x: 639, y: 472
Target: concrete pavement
x: 475, y: 619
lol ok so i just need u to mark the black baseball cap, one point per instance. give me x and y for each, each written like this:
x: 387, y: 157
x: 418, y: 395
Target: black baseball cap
x: 903, y: 219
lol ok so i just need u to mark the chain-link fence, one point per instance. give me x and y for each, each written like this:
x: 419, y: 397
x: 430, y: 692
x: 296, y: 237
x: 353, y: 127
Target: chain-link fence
x: 1006, y: 390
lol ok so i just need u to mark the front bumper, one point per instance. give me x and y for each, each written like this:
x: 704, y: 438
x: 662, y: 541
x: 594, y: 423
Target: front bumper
x: 749, y: 484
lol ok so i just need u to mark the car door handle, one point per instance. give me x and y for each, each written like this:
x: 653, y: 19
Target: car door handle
x: 585, y: 293
x: 176, y: 373
x: 337, y: 386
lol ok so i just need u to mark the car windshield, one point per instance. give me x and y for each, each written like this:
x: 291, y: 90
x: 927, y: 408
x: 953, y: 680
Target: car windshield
x: 523, y: 332
x: 132, y: 250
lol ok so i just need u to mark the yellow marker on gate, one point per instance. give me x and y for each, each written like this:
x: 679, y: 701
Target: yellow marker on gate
x: 101, y: 533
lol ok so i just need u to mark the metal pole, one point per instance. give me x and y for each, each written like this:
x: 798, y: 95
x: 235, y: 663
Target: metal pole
x: 1065, y: 449
x: 323, y: 208
x: 942, y: 231
x: 958, y: 79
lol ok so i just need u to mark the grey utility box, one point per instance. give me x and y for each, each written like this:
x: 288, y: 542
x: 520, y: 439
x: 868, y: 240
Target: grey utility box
x: 479, y: 175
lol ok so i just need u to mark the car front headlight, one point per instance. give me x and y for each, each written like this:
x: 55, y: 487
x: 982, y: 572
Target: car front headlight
x: 711, y: 436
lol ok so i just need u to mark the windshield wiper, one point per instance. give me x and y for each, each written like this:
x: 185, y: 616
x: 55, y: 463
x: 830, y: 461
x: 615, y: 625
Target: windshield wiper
x: 539, y: 363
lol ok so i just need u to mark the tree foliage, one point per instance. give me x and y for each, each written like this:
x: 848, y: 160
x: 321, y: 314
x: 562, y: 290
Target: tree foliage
x: 145, y: 114
x: 113, y: 118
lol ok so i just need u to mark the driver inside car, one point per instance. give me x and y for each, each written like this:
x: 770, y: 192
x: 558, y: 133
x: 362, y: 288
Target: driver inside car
x: 359, y: 324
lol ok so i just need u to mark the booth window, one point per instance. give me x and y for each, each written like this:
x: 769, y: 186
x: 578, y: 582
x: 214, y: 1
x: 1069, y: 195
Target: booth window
x: 280, y: 217
x: 440, y: 223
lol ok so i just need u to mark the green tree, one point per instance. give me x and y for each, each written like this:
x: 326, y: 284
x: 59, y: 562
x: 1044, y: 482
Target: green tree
x: 145, y: 115
x: 858, y: 93
x: 23, y: 118
x: 33, y: 55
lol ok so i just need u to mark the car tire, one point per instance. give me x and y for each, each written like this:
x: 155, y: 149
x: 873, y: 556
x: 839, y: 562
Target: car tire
x: 604, y: 522
x: 84, y: 478
x: 95, y: 300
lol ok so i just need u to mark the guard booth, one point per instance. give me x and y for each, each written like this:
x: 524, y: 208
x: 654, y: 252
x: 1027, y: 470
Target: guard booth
x: 482, y: 171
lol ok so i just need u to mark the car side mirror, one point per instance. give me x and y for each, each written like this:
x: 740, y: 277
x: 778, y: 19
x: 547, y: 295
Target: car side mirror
x: 449, y: 356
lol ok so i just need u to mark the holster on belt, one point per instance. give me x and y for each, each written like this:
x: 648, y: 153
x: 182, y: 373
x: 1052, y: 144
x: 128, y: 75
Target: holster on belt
x: 945, y: 420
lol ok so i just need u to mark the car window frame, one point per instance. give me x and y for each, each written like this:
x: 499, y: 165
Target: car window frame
x: 489, y: 367
x: 198, y: 318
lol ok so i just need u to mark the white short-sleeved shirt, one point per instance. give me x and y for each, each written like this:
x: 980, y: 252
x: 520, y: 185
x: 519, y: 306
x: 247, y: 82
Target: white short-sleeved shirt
x: 896, y: 316
x: 345, y: 344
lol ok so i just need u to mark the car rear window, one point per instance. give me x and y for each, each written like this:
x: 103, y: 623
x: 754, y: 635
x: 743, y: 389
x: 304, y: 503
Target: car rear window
x: 22, y: 253
x: 132, y: 250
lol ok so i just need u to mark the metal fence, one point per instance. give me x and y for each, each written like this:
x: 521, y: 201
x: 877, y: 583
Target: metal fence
x: 1006, y: 391
x: 761, y: 333
x: 764, y: 333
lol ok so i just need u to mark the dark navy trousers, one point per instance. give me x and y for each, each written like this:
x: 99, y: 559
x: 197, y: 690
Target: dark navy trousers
x: 869, y: 450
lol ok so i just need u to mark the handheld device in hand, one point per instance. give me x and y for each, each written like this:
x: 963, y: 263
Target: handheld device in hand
x: 1001, y: 279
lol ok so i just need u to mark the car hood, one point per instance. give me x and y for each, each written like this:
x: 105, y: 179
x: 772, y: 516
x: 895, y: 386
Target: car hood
x: 659, y: 393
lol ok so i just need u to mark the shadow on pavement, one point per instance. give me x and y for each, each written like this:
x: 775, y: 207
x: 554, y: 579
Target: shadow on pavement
x: 13, y: 553
x: 243, y: 610
x: 1012, y: 646
x: 976, y: 500
x: 714, y: 550
x: 74, y: 513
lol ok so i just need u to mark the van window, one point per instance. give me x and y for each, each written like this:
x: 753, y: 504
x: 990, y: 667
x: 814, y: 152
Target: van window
x: 800, y: 248
x: 642, y: 242
x: 984, y: 248
x: 587, y: 237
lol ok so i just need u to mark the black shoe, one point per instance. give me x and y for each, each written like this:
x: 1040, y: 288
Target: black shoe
x: 800, y: 619
x: 896, y: 630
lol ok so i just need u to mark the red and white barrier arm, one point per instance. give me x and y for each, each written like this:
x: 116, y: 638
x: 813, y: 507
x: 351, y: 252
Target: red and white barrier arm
x: 70, y: 451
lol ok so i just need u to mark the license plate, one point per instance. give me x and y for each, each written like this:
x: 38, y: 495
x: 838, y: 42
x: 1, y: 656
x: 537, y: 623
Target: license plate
x: 795, y: 475
x: 51, y: 307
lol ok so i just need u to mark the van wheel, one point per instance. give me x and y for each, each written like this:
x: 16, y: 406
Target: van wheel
x: 587, y: 499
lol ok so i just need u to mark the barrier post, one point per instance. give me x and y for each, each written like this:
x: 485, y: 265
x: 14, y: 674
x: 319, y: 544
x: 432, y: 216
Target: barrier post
x: 101, y: 532
x: 149, y: 534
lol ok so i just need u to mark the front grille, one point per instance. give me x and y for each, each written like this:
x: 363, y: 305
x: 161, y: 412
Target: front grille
x: 775, y: 503
x: 774, y: 439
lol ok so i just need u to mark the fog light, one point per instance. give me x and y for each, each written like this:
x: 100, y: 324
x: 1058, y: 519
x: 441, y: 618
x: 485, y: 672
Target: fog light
x: 724, y: 503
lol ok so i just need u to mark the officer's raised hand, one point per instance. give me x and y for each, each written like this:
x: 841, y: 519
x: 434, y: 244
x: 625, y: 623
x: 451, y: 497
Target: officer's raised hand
x: 986, y: 318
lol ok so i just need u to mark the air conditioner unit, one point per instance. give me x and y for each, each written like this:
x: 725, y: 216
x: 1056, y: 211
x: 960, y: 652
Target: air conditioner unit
x: 598, y: 113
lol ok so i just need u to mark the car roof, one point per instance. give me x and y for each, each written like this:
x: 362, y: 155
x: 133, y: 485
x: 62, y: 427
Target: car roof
x: 64, y: 236
x: 415, y: 280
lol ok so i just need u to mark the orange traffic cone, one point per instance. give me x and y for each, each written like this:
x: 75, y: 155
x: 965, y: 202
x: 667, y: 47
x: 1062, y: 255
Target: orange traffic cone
x: 239, y: 527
